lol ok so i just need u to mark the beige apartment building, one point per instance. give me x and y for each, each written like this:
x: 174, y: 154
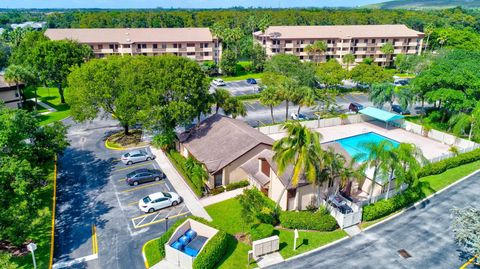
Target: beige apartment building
x: 195, y: 43
x: 360, y: 40
x: 9, y: 94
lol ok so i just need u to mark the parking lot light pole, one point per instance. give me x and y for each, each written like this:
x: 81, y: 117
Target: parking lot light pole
x: 32, y: 247
x: 166, y: 224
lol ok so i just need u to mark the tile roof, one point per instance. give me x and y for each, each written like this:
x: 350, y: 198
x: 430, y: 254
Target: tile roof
x: 219, y: 140
x: 341, y: 31
x: 131, y: 35
x: 4, y: 84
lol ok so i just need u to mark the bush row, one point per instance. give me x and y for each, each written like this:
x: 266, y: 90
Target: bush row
x: 236, y: 185
x: 385, y: 207
x: 246, y: 97
x: 260, y: 231
x: 444, y: 165
x: 180, y: 164
x: 212, y: 252
x: 307, y: 220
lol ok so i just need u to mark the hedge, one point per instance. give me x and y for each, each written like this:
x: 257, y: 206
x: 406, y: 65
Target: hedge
x: 385, y: 207
x: 179, y: 162
x: 307, y: 220
x: 236, y: 185
x: 212, y: 252
x: 155, y: 249
x: 444, y: 165
x: 260, y: 231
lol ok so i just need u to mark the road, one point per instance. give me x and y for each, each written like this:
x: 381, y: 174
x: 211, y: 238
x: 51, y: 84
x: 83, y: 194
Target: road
x: 424, y: 232
x: 91, y: 192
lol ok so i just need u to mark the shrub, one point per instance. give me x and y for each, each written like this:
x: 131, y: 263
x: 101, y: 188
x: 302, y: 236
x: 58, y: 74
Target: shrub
x: 246, y: 97
x: 217, y: 190
x: 155, y: 249
x: 444, y: 165
x: 385, y: 207
x: 189, y: 169
x: 257, y: 207
x: 307, y: 220
x: 260, y: 231
x: 212, y: 252
x: 237, y: 185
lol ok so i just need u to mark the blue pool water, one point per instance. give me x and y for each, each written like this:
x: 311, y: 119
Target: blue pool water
x: 353, y: 144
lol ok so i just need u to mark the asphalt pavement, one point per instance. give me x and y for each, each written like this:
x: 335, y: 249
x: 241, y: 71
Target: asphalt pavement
x: 423, y: 232
x: 97, y: 218
x: 239, y: 87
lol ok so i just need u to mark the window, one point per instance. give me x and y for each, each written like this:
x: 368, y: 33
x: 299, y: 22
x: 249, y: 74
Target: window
x: 365, y: 41
x: 373, y: 40
x: 291, y: 193
x: 175, y: 45
x: 164, y: 46
x: 265, y: 167
x: 100, y: 47
x: 206, y: 53
x: 139, y: 46
x: 383, y: 40
x: 191, y: 53
x: 155, y: 46
x: 144, y: 46
x: 190, y: 44
x: 218, y: 179
x: 111, y: 46
x: 126, y: 46
x: 205, y: 45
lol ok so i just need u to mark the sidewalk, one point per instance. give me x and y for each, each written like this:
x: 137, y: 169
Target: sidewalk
x: 49, y: 108
x: 220, y: 197
x: 189, y: 198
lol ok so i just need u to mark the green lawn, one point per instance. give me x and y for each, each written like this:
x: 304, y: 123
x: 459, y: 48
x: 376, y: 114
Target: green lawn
x: 440, y: 181
x: 51, y: 97
x: 41, y: 236
x: 307, y: 241
x: 243, y: 76
x: 402, y: 75
x: 227, y: 216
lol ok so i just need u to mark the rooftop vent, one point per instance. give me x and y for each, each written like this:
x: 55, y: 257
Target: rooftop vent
x: 404, y: 254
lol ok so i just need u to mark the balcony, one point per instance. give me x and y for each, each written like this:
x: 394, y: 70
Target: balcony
x: 413, y: 44
x: 171, y: 50
x: 412, y: 51
x: 190, y: 49
x: 361, y: 45
x: 289, y: 45
x: 360, y: 52
x: 397, y: 51
x: 398, y: 44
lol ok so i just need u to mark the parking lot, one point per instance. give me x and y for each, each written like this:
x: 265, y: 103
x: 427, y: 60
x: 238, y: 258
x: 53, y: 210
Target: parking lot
x: 129, y: 196
x: 240, y: 87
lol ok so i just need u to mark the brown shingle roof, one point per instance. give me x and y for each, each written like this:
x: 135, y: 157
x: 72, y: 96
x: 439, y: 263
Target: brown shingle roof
x: 220, y: 140
x: 131, y: 35
x: 342, y: 31
x: 4, y: 84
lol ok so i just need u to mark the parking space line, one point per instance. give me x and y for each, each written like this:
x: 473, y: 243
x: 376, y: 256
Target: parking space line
x: 174, y: 213
x: 132, y: 203
x: 133, y: 166
x: 248, y: 104
x: 122, y: 179
x: 94, y: 240
x: 355, y: 98
x: 161, y: 220
x: 142, y: 187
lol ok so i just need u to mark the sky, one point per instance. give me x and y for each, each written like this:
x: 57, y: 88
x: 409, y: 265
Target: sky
x: 180, y: 3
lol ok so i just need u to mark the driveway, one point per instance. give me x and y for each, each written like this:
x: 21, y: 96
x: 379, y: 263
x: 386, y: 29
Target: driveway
x: 98, y: 223
x: 424, y: 232
x: 239, y: 87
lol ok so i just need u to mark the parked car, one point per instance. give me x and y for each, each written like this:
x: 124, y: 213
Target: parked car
x: 398, y: 109
x: 251, y: 81
x: 218, y: 82
x: 158, y: 200
x: 295, y: 116
x: 144, y: 175
x: 355, y: 107
x: 136, y: 156
x: 402, y: 82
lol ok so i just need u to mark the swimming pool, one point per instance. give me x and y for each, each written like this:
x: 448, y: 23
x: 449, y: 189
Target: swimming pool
x: 353, y: 144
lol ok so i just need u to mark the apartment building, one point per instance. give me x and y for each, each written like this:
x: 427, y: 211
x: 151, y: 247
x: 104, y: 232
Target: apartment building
x: 360, y: 40
x: 195, y: 43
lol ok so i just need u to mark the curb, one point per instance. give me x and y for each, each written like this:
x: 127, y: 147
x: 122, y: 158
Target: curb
x: 424, y: 199
x: 387, y: 219
x: 52, y: 236
x: 123, y: 148
x: 147, y: 266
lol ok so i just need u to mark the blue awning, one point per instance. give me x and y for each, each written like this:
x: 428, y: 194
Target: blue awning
x: 380, y: 114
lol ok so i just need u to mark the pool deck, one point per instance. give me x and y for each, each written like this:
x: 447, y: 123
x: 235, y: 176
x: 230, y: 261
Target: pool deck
x: 429, y: 147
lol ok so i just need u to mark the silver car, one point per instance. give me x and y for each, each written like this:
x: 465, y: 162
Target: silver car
x: 136, y: 156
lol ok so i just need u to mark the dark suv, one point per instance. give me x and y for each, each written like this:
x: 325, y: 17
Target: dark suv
x: 144, y: 175
x: 355, y: 107
x: 398, y: 109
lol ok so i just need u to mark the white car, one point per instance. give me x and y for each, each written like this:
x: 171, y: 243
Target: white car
x: 158, y: 200
x: 218, y: 82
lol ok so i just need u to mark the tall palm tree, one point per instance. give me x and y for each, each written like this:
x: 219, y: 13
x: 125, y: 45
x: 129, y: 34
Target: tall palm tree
x: 18, y: 74
x: 348, y: 59
x: 301, y: 149
x: 376, y: 156
x: 388, y: 49
x: 270, y: 98
x: 466, y: 122
x: 316, y: 49
x: 306, y: 98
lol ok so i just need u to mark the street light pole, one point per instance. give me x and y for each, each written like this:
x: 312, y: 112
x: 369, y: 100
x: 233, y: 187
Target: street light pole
x: 32, y: 247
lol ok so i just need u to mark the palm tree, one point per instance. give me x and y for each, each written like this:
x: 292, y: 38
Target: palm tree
x: 463, y: 122
x: 388, y: 49
x: 270, y: 98
x: 410, y: 159
x: 316, y: 49
x: 376, y: 156
x: 18, y: 74
x: 301, y: 149
x: 428, y: 31
x: 234, y: 107
x: 348, y: 59
x: 387, y: 93
x: 306, y: 97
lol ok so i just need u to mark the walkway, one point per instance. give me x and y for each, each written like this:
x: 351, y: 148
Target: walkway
x: 189, y: 198
x: 49, y: 108
x: 423, y: 231
x: 220, y: 197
